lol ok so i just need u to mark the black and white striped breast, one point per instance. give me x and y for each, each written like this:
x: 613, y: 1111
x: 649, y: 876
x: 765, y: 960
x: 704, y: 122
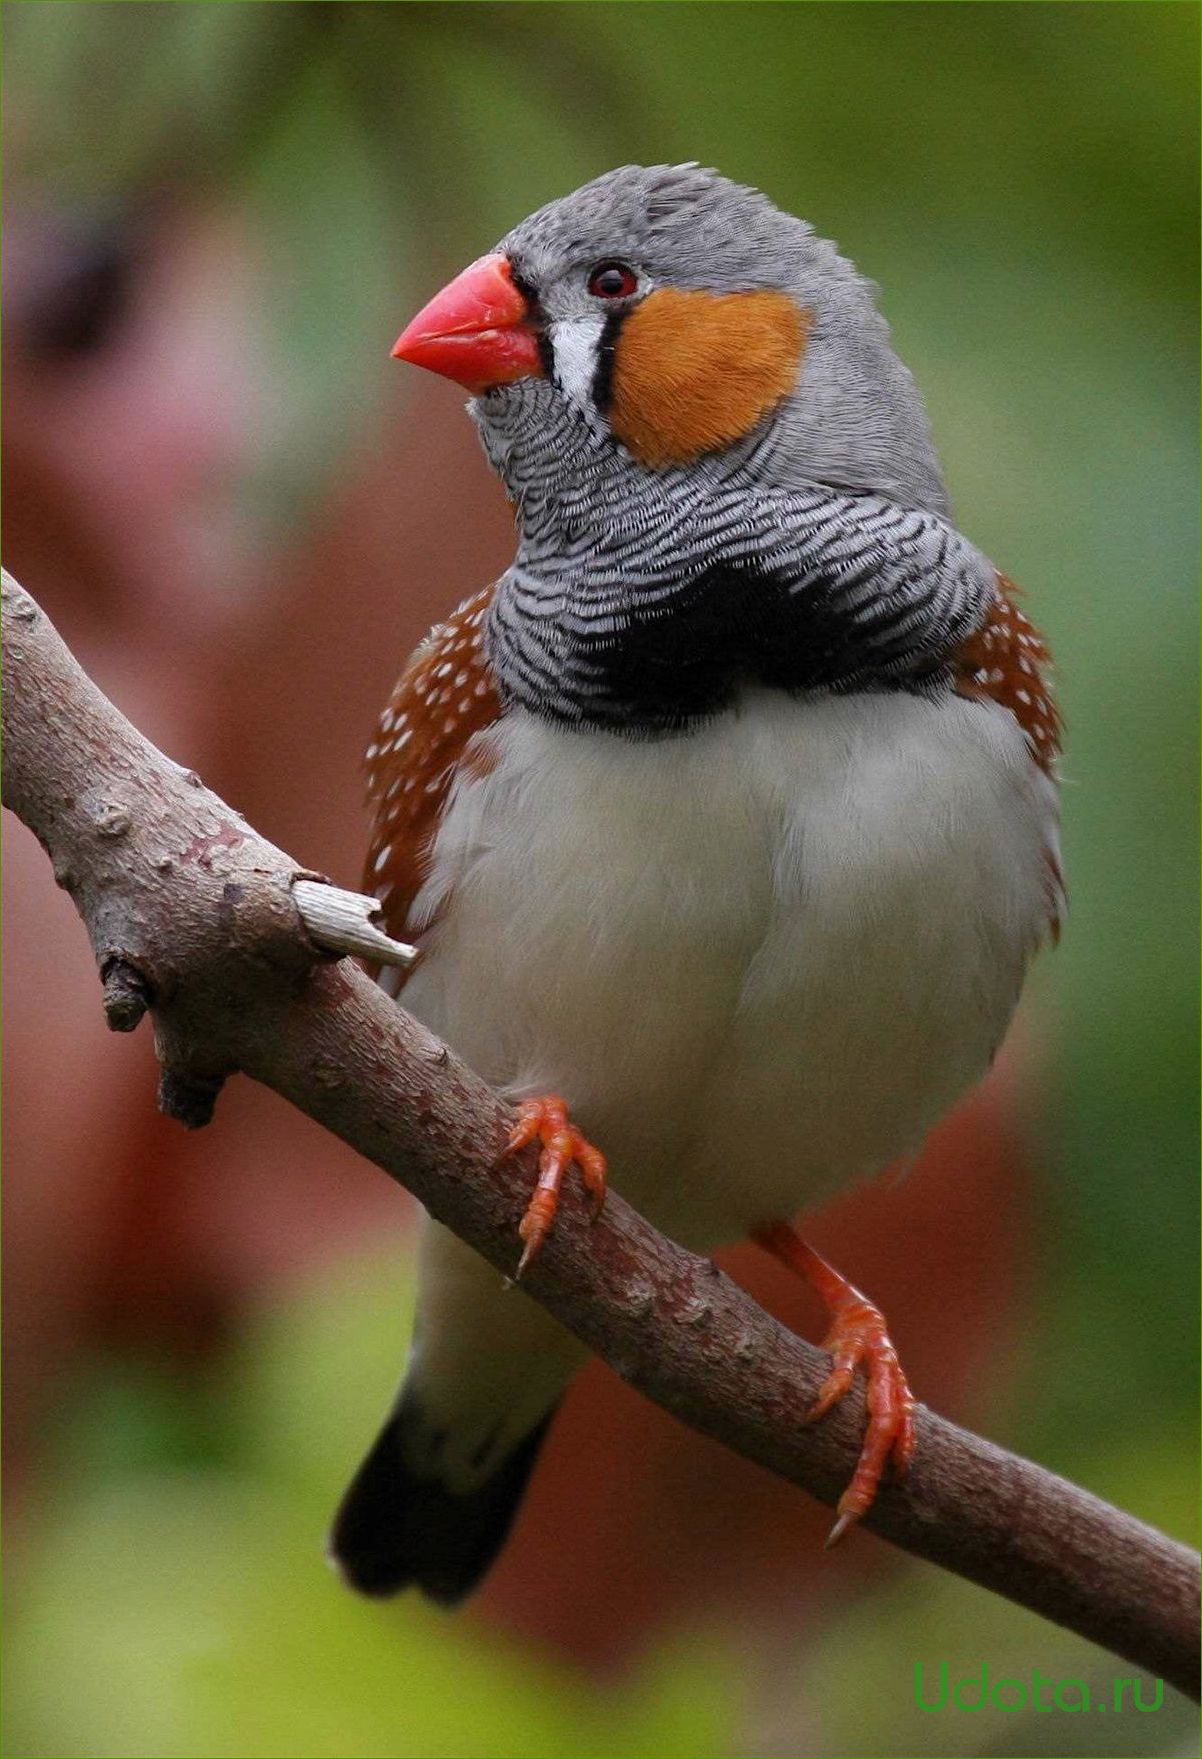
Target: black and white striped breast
x: 659, y: 621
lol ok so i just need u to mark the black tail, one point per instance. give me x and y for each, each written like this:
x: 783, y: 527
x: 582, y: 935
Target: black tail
x: 395, y: 1529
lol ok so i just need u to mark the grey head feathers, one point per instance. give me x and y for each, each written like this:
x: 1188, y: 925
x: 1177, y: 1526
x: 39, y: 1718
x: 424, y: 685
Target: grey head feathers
x: 688, y: 227
x: 855, y: 420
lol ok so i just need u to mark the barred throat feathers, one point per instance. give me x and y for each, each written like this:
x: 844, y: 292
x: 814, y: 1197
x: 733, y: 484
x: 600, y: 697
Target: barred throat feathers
x: 643, y: 602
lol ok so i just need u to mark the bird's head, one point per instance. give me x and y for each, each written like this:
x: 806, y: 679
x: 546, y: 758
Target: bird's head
x: 681, y: 323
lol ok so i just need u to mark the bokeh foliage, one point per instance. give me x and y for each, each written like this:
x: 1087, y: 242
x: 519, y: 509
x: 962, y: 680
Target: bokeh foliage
x: 265, y: 1652
x: 1020, y: 179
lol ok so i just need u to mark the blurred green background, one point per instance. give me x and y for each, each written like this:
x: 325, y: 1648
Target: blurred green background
x: 1020, y: 181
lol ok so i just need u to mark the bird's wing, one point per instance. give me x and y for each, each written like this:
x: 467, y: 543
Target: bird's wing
x: 1007, y: 661
x: 434, y: 1498
x: 445, y: 699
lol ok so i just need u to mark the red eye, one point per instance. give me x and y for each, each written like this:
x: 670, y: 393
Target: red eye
x: 612, y: 281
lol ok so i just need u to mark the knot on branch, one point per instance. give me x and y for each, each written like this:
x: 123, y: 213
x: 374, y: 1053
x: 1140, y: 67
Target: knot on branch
x: 127, y: 994
x: 188, y: 1096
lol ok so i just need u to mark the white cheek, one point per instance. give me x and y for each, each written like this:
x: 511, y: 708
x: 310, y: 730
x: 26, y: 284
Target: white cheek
x: 574, y: 343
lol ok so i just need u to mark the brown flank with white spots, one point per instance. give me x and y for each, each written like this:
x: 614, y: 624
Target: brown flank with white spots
x: 446, y: 696
x: 1007, y: 660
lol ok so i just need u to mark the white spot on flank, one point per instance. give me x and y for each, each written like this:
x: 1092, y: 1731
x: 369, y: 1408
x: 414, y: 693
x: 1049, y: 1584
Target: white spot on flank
x: 381, y: 860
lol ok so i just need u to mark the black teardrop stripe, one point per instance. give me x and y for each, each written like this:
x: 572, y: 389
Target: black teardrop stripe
x: 536, y: 318
x: 603, y: 376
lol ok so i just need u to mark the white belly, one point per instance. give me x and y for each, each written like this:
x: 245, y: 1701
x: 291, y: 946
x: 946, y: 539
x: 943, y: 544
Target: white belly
x: 758, y: 960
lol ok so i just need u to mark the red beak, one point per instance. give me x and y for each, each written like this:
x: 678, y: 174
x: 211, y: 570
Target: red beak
x: 476, y: 331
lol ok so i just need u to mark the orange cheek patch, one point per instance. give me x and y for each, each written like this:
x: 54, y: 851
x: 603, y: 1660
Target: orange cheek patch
x: 695, y: 371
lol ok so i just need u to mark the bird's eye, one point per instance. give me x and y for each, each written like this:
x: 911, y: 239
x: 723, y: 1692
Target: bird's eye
x: 612, y: 281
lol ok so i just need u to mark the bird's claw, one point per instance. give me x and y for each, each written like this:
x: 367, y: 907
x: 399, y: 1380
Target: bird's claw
x: 858, y: 1338
x: 546, y: 1121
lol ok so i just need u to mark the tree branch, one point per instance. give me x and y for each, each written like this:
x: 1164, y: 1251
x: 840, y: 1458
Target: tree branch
x: 194, y: 917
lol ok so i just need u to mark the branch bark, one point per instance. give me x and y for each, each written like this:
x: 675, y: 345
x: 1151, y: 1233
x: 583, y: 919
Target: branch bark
x: 194, y: 917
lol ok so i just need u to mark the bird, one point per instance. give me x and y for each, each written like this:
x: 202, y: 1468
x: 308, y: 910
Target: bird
x: 725, y: 822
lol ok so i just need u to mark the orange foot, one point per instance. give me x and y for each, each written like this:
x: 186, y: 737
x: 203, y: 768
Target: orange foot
x: 858, y: 1338
x: 547, y: 1120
